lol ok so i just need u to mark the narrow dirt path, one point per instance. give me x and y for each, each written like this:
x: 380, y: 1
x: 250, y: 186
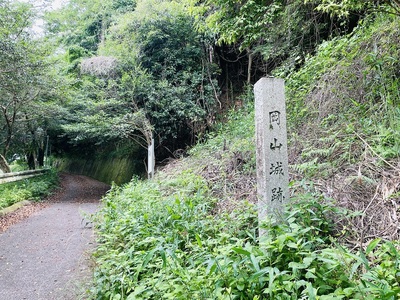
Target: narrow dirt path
x: 44, y: 255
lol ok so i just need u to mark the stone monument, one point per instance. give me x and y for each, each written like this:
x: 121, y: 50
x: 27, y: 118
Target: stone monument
x: 272, y: 156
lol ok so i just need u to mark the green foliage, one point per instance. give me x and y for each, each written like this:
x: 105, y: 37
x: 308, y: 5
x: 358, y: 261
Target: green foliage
x: 163, y: 79
x: 124, y: 5
x: 343, y: 8
x: 164, y: 239
x: 21, y: 70
x: 247, y: 21
x: 350, y: 89
x: 29, y: 189
x: 158, y: 240
x: 80, y: 24
x: 234, y: 131
x: 281, y: 32
x: 178, y: 96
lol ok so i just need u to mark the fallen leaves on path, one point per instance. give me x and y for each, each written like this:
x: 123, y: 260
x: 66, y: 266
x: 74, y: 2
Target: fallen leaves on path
x: 20, y: 214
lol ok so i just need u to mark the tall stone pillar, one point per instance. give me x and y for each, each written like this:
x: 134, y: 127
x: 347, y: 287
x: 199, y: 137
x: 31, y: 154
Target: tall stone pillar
x: 272, y: 155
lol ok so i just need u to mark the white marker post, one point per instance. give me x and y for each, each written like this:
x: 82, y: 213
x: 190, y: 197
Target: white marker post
x: 272, y: 155
x: 150, y: 160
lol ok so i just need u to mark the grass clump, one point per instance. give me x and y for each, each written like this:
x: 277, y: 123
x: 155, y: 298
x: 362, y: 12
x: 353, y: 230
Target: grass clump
x: 34, y: 189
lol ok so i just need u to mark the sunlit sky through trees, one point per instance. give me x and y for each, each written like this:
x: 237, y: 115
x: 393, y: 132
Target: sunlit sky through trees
x: 41, y: 6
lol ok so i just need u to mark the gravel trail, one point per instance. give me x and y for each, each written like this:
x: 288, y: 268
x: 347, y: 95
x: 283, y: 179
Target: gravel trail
x: 44, y: 255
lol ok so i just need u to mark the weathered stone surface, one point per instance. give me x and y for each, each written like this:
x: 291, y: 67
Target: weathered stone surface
x: 272, y: 157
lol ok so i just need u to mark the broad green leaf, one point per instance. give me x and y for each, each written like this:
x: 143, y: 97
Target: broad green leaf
x: 372, y: 245
x: 242, y: 251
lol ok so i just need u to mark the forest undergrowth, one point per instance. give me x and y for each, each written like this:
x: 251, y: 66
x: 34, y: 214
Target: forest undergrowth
x: 192, y: 232
x: 348, y: 124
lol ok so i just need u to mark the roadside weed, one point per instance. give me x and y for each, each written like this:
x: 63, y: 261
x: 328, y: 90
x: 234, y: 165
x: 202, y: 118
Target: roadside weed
x: 160, y: 240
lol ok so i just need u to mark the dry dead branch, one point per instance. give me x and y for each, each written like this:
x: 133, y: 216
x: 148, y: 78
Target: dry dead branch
x: 100, y: 66
x: 375, y: 194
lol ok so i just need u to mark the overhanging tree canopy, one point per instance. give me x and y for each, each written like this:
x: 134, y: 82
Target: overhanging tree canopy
x: 22, y: 80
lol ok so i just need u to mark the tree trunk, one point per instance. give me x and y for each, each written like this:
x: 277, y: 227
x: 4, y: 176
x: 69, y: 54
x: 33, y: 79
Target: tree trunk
x: 10, y: 120
x: 249, y: 66
x: 40, y: 157
x: 31, y: 161
x: 4, y: 165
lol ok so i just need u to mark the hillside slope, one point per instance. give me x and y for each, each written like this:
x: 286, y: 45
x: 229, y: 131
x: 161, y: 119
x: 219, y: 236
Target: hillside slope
x: 192, y: 233
x: 344, y: 131
x: 344, y: 108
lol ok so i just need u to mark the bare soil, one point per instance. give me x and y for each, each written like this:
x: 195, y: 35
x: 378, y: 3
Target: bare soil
x: 44, y: 247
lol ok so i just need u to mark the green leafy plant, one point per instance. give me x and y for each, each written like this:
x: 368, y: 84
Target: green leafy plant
x: 160, y: 240
x: 29, y: 189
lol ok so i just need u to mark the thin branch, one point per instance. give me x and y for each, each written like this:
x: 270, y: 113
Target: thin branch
x: 138, y: 139
x: 214, y: 89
